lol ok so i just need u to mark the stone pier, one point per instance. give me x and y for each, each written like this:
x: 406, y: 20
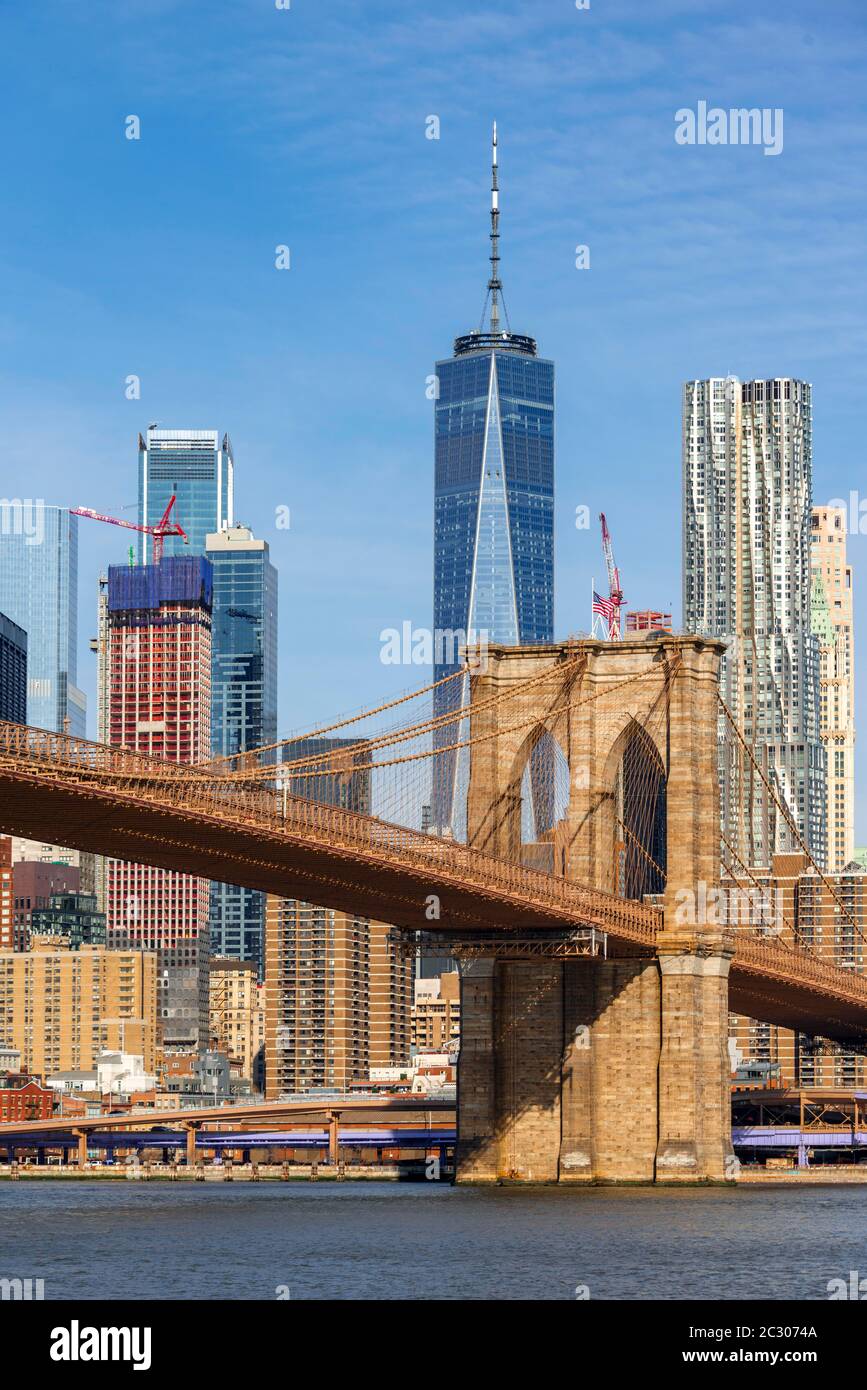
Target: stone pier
x: 590, y: 1070
x: 585, y: 1071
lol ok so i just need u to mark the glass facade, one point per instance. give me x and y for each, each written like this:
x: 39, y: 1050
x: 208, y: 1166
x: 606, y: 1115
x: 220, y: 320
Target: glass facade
x: 13, y: 672
x: 494, y: 501
x: 73, y: 915
x: 199, y: 470
x: 336, y: 772
x: 39, y: 592
x: 493, y: 510
x: 243, y: 705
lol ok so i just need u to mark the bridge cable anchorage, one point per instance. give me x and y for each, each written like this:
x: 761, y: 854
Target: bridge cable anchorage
x: 781, y: 806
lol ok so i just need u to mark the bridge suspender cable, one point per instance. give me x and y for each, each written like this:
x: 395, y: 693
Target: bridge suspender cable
x: 781, y: 806
x: 342, y: 723
x: 484, y: 738
x: 316, y: 761
x: 411, y: 731
x: 756, y: 884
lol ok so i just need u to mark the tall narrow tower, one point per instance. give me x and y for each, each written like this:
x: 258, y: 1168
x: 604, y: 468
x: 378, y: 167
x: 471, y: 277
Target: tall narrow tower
x: 747, y: 496
x: 159, y: 671
x: 243, y: 704
x: 197, y: 468
x: 832, y: 623
x: 493, y: 499
x: 39, y: 593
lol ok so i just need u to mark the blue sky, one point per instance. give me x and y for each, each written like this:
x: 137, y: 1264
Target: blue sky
x: 306, y: 127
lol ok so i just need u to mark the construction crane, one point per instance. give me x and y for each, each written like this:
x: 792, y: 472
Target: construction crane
x: 615, y: 593
x: 164, y: 527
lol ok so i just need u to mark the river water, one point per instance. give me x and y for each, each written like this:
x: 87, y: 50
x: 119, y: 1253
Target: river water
x: 355, y: 1240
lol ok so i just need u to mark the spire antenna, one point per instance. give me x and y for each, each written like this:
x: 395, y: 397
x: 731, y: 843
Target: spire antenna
x: 498, y: 335
x: 495, y: 285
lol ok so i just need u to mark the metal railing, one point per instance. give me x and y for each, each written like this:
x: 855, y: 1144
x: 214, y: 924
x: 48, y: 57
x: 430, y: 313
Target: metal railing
x: 64, y: 760
x: 34, y: 753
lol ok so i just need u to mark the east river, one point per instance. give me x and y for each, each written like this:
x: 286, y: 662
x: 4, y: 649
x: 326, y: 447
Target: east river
x: 355, y: 1240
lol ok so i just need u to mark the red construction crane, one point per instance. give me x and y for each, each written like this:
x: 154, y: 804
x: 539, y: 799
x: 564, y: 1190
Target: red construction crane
x: 615, y: 593
x: 164, y: 527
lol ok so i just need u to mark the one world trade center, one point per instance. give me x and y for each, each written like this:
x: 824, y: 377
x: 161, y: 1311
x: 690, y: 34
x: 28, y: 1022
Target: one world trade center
x: 494, y: 510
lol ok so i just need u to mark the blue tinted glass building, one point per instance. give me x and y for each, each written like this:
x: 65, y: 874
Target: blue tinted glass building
x: 199, y: 470
x: 39, y: 592
x: 493, y: 497
x: 13, y: 672
x: 243, y: 704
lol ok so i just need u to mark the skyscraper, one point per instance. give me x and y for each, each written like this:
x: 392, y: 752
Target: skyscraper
x: 159, y: 664
x: 338, y: 998
x: 13, y: 671
x: 832, y: 623
x: 243, y: 705
x: 747, y: 498
x: 494, y: 496
x: 66, y: 1006
x: 196, y: 467
x: 39, y: 592
x: 7, y: 896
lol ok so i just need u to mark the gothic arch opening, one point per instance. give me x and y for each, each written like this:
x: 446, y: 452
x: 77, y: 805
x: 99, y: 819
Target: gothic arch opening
x: 640, y: 817
x: 544, y: 804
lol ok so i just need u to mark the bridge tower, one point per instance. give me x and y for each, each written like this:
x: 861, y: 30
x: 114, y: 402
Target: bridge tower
x: 590, y: 1069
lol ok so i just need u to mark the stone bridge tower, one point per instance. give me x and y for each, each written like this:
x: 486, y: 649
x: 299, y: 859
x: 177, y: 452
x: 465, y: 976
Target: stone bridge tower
x: 591, y: 1069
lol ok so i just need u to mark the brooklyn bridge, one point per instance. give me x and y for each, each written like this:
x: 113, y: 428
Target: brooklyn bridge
x: 550, y: 817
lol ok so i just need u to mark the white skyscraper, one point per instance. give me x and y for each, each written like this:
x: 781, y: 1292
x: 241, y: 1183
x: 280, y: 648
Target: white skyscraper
x: 832, y: 623
x: 747, y: 499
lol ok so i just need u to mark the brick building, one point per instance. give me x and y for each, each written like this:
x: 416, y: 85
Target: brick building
x: 237, y: 1014
x: 829, y: 918
x: 22, y: 1098
x: 158, y: 668
x: 337, y: 998
x: 436, y: 1014
x: 60, y: 1009
x: 34, y: 882
x: 7, y: 920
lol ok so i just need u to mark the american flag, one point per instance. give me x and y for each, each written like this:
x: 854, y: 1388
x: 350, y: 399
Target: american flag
x: 605, y: 606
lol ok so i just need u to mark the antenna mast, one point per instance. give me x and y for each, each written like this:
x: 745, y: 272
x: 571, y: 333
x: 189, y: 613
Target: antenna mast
x: 495, y: 284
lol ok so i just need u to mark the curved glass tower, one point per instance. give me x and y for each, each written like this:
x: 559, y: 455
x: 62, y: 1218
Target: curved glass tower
x: 494, y: 503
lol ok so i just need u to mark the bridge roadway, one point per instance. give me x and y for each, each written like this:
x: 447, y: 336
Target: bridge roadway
x: 353, y: 1122
x: 223, y: 1141
x: 113, y: 802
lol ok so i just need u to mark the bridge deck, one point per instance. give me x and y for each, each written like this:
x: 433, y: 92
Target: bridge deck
x: 127, y: 806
